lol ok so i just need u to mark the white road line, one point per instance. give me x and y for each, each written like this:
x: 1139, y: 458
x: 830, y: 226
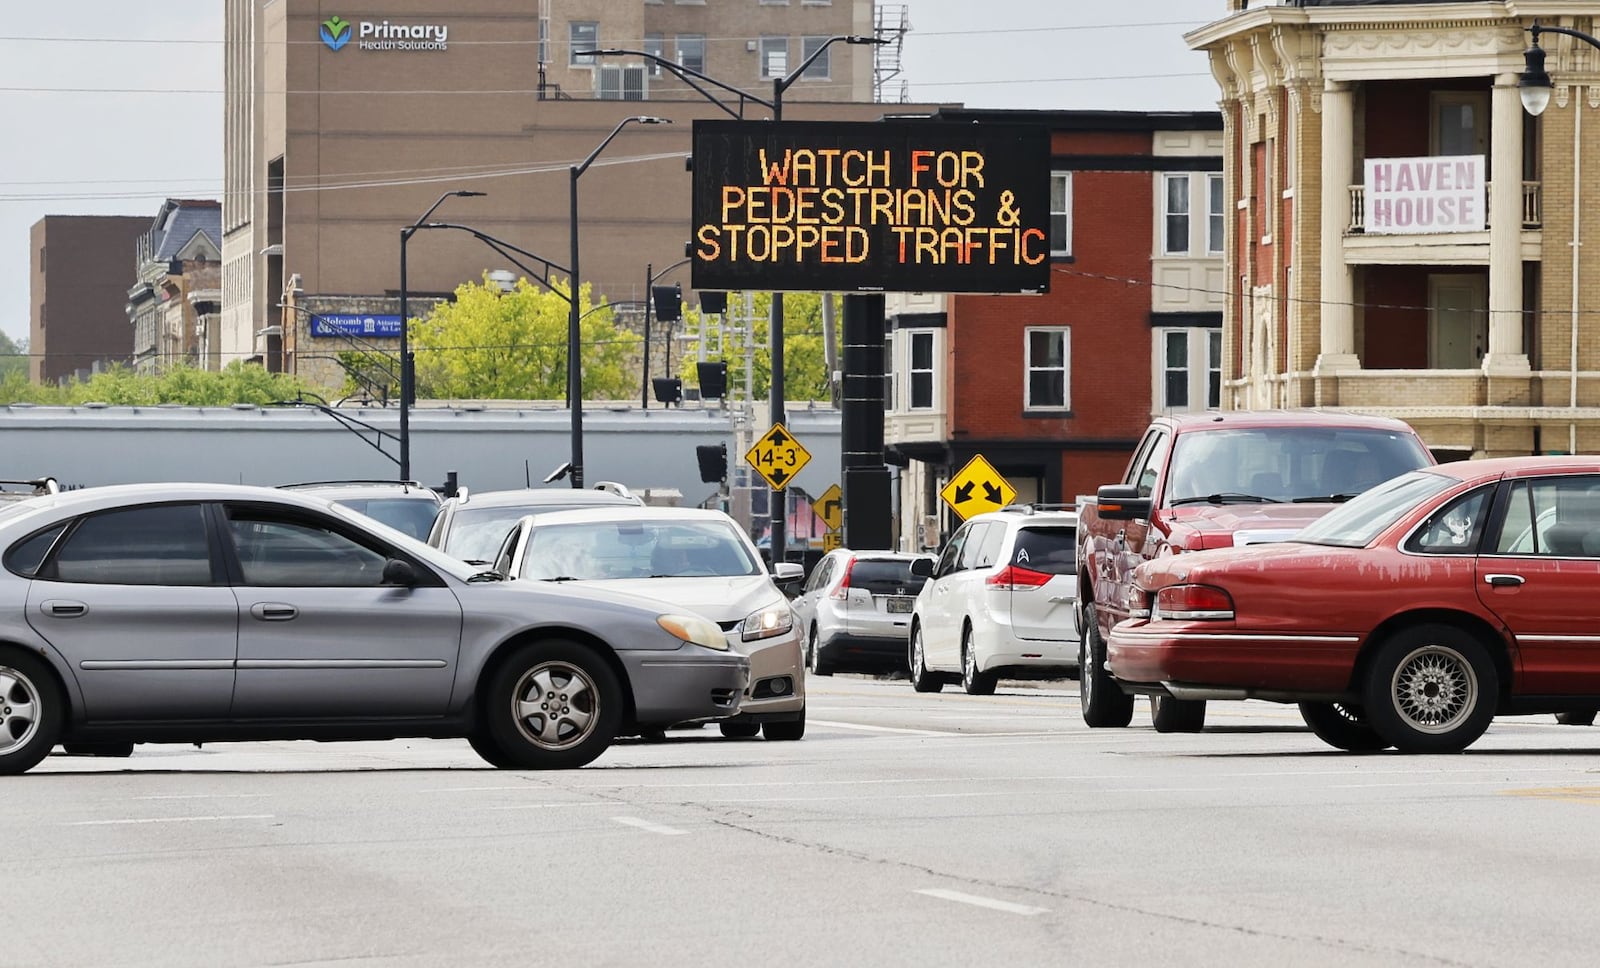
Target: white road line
x: 204, y: 796
x: 646, y: 825
x: 884, y: 729
x: 139, y: 820
x: 548, y: 806
x: 478, y: 789
x: 983, y: 902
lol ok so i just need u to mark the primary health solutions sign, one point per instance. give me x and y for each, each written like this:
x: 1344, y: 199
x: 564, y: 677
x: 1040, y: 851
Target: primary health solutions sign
x: 909, y: 206
x: 336, y: 32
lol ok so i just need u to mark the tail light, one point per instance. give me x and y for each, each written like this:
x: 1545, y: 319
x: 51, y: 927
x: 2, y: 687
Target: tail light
x: 1012, y: 578
x: 1191, y: 603
x: 841, y: 592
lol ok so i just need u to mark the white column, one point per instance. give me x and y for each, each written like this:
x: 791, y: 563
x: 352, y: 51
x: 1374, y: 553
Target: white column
x: 1506, y: 353
x: 1338, y: 288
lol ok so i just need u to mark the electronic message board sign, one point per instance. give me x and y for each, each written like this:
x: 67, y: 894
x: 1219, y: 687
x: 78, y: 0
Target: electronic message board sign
x: 895, y: 206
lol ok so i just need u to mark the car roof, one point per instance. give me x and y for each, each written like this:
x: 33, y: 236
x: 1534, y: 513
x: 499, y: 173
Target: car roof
x: 636, y: 511
x: 119, y: 495
x: 1492, y: 468
x: 1023, y: 514
x: 344, y: 490
x: 1311, y: 417
x: 535, y: 496
x: 883, y: 555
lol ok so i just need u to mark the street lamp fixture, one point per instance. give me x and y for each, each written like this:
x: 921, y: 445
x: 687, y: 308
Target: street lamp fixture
x: 574, y: 332
x: 407, y: 363
x: 1534, y: 83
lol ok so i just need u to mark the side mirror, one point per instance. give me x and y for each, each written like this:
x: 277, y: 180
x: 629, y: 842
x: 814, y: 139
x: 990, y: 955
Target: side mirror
x: 397, y: 572
x: 922, y: 567
x: 1121, y: 502
x: 785, y: 572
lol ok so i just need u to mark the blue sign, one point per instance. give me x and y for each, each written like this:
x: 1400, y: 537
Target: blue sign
x: 354, y: 324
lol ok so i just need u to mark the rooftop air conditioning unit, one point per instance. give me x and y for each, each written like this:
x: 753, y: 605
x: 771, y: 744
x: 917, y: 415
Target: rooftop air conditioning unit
x: 621, y: 82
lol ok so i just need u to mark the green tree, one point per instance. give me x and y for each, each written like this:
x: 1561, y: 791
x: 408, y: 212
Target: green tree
x: 490, y: 344
x: 186, y: 386
x: 805, y: 367
x: 13, y: 357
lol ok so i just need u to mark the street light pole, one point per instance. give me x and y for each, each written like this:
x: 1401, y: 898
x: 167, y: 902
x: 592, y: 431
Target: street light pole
x: 574, y: 333
x: 407, y: 364
x: 650, y: 278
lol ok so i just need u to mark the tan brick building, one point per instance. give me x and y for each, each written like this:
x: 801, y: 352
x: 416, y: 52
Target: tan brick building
x: 1404, y: 239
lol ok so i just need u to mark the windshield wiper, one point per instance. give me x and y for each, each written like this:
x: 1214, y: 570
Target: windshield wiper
x: 562, y: 578
x: 1227, y: 497
x: 487, y: 576
x: 1324, y: 499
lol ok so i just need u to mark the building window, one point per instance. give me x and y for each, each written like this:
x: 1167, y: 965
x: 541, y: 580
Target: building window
x: 819, y: 69
x: 921, y: 369
x: 44, y: 314
x: 1175, y: 215
x: 1048, y: 359
x: 774, y: 56
x: 544, y: 40
x: 692, y: 51
x: 1061, y: 213
x: 41, y: 257
x: 654, y: 44
x: 1215, y: 224
x: 584, y: 35
x: 1189, y: 368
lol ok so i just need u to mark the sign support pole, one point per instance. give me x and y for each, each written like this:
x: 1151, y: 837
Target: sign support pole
x: 867, y: 523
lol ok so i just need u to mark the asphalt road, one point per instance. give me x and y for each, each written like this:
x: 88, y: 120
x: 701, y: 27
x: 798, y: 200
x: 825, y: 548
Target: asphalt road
x: 903, y: 830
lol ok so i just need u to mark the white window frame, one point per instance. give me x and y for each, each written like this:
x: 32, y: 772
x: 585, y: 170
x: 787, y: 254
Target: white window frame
x: 574, y: 44
x: 677, y: 51
x: 1216, y: 213
x: 1204, y: 219
x: 659, y: 49
x: 1201, y: 343
x: 1065, y: 177
x: 912, y: 371
x: 766, y: 62
x: 1028, y: 369
x: 1173, y: 243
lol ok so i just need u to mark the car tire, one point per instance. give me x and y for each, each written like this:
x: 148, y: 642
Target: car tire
x: 1103, y: 702
x: 1169, y: 715
x: 921, y: 679
x: 1584, y: 718
x: 1342, y: 726
x: 786, y: 732
x: 572, y: 722
x: 98, y: 749
x: 484, y: 745
x: 739, y: 729
x: 815, y: 663
x: 32, y: 709
x: 1431, y: 689
x: 974, y: 683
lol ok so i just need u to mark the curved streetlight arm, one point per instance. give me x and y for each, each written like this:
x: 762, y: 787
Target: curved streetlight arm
x: 1539, y: 28
x: 685, y: 74
x: 681, y: 262
x: 782, y: 84
x: 580, y: 168
x: 360, y: 343
x: 355, y: 425
x: 505, y: 249
x: 421, y: 222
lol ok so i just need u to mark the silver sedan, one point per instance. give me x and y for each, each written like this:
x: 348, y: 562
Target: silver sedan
x: 196, y: 613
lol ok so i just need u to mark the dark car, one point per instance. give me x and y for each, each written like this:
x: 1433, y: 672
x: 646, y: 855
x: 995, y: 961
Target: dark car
x: 403, y: 505
x: 472, y: 526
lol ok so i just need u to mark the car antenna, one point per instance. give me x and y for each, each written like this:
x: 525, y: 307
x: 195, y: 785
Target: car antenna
x: 527, y: 474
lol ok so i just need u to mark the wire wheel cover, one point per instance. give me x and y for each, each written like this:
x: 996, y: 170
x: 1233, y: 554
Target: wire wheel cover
x: 1435, y: 689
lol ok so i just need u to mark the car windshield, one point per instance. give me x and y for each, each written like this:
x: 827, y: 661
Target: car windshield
x: 885, y: 576
x: 1364, y: 518
x: 476, y: 533
x: 1255, y: 465
x: 412, y: 516
x: 638, y: 549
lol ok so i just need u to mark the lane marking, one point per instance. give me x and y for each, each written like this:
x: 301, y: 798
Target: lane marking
x: 649, y: 827
x: 885, y: 729
x: 204, y: 796
x: 1589, y: 795
x: 983, y: 902
x: 549, y: 806
x: 141, y: 820
x: 478, y: 789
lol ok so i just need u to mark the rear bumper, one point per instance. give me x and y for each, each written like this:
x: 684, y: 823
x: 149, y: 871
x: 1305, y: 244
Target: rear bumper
x: 686, y: 684
x: 847, y: 647
x: 1196, y: 662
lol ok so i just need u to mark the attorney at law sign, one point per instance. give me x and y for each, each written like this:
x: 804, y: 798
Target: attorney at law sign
x: 1413, y: 196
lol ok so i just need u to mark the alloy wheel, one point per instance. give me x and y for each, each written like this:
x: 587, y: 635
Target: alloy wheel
x: 556, y: 703
x: 19, y: 710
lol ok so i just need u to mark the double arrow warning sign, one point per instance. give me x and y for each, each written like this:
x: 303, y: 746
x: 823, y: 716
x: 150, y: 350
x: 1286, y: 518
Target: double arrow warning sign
x: 977, y: 488
x: 777, y: 457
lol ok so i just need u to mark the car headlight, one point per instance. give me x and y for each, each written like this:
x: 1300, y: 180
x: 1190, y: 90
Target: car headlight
x: 764, y: 623
x: 693, y: 628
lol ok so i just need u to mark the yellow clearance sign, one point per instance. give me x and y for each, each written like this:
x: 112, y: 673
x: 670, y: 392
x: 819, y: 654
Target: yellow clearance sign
x: 977, y: 488
x: 777, y: 457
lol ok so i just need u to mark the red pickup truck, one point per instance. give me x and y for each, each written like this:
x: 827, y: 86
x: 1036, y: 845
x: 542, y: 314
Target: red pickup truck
x: 1215, y: 480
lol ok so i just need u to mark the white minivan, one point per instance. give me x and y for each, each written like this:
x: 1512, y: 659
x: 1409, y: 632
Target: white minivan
x: 999, y: 602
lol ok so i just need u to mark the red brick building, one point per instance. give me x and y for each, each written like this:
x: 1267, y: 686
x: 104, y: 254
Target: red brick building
x: 1054, y: 390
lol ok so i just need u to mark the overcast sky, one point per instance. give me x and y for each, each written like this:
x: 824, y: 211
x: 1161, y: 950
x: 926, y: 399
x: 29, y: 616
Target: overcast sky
x: 84, y: 138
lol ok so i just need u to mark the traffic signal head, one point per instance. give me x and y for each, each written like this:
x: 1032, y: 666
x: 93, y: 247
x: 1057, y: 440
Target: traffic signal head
x: 669, y: 389
x: 715, y: 302
x: 713, y: 379
x: 713, y: 460
x: 668, y: 301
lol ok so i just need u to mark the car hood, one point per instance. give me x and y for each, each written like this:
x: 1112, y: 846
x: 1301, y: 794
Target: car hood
x: 720, y: 599
x: 1211, y: 526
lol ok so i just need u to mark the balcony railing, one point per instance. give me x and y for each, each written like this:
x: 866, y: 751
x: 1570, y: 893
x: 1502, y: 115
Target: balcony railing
x: 1532, y: 207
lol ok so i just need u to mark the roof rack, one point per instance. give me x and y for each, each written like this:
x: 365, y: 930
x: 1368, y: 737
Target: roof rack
x: 354, y: 481
x: 40, y: 485
x: 612, y: 487
x: 1038, y: 508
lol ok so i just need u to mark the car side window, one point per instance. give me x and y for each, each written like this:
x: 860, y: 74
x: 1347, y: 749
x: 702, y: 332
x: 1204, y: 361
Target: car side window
x: 502, y: 560
x: 952, y: 552
x: 1137, y: 464
x: 285, y: 551
x: 27, y: 555
x: 1454, y: 529
x: 1555, y: 517
x: 819, y: 575
x: 151, y: 545
x: 989, y: 548
x: 972, y: 551
x: 1150, y: 469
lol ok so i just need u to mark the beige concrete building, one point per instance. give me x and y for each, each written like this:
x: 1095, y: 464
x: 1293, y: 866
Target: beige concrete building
x: 1404, y: 239
x: 340, y: 130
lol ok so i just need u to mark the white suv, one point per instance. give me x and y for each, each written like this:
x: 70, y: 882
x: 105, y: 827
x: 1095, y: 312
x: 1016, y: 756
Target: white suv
x: 1000, y: 602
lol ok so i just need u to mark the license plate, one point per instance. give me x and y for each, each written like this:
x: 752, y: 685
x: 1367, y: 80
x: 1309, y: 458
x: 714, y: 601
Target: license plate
x: 901, y: 604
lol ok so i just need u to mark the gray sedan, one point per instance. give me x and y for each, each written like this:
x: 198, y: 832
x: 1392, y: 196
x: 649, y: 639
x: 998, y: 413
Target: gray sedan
x: 193, y: 613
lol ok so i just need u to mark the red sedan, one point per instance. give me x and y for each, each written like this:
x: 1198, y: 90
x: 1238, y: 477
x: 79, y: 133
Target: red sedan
x: 1409, y: 617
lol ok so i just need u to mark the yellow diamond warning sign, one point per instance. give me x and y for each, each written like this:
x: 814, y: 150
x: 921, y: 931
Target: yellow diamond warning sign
x: 777, y: 457
x: 977, y: 488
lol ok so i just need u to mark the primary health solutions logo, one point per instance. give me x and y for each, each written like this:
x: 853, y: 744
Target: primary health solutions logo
x: 336, y: 32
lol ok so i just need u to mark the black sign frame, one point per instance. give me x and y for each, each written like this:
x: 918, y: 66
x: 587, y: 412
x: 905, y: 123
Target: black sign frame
x: 893, y: 206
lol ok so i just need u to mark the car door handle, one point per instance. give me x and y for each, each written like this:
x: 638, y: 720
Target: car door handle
x: 273, y: 611
x: 61, y: 608
x: 1503, y: 581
